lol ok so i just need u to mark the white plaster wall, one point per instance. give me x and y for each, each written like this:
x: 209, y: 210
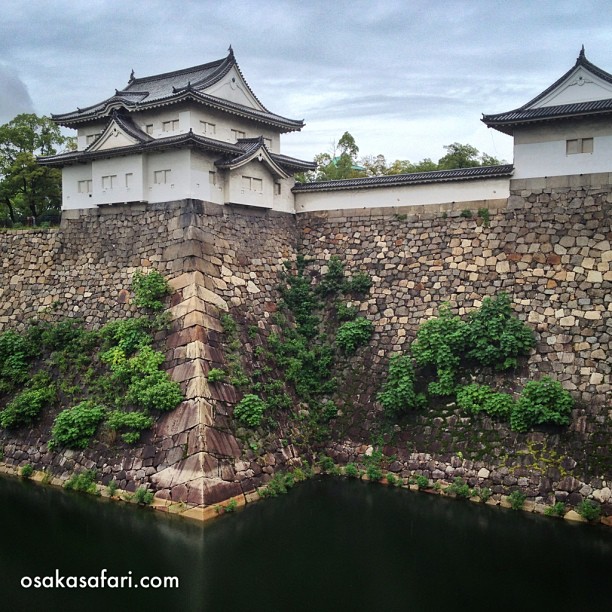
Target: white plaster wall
x: 120, y: 167
x: 83, y: 132
x: 236, y: 194
x: 179, y: 185
x: 201, y: 187
x: 541, y: 151
x: 190, y: 116
x: 406, y: 195
x: 232, y: 87
x: 71, y: 198
x: 285, y: 201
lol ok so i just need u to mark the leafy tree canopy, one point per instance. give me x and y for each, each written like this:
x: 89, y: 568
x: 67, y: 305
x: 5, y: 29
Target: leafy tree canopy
x: 342, y: 162
x: 26, y: 188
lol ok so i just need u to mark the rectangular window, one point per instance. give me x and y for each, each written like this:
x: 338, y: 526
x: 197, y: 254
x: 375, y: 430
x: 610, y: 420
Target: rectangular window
x: 109, y: 181
x: 85, y: 186
x: 251, y: 183
x: 212, y: 178
x: 277, y: 188
x: 268, y: 142
x: 129, y: 180
x: 149, y: 128
x: 170, y: 126
x: 238, y: 134
x: 91, y: 138
x: 207, y: 128
x: 578, y: 145
x: 161, y: 177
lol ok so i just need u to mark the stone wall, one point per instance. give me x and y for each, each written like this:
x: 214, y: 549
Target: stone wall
x: 215, y: 258
x: 550, y: 249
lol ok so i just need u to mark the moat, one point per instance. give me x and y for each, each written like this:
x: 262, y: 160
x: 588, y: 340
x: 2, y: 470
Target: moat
x: 327, y: 545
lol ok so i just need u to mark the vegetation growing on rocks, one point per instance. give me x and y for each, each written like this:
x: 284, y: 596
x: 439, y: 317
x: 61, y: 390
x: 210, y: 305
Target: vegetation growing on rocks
x: 452, y: 348
x: 109, y: 377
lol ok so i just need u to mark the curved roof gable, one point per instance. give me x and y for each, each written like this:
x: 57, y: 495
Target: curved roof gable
x: 219, y: 84
x: 584, y: 89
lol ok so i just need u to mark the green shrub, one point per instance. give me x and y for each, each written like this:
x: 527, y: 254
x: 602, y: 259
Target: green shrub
x: 278, y: 485
x: 112, y: 488
x: 374, y: 472
x: 74, y: 427
x: 589, y: 510
x: 422, y: 482
x: 484, y: 494
x: 345, y: 313
x: 484, y: 214
x: 476, y: 398
x: 398, y: 392
x: 129, y: 335
x: 215, y: 375
x: 26, y: 471
x: 460, y: 488
x: 392, y: 479
x: 250, y: 409
x: 25, y: 407
x: 353, y: 334
x: 541, y: 402
x: 143, y: 496
x: 440, y: 343
x: 351, y: 470
x: 154, y: 391
x: 149, y: 290
x: 466, y: 213
x: 557, y: 509
x: 135, y: 422
x: 517, y: 500
x: 332, y: 281
x: 327, y: 464
x: 15, y: 353
x: 85, y: 482
x: 494, y: 337
x: 358, y: 283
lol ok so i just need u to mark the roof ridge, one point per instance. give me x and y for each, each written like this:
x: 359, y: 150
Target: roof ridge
x: 181, y: 72
x: 581, y: 61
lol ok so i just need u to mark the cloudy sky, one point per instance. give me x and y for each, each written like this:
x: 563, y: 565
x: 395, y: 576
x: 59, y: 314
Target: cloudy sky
x: 403, y: 77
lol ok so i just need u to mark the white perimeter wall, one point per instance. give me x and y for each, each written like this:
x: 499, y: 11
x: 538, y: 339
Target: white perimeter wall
x: 405, y: 195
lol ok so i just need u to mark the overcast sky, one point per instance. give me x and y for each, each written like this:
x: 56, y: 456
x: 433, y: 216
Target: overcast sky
x: 404, y: 77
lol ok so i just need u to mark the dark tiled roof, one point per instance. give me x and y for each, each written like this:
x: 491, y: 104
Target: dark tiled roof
x: 171, y: 87
x: 524, y: 114
x: 437, y: 176
x: 231, y: 152
x: 505, y: 121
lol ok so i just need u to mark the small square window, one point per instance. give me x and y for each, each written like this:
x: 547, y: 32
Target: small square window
x: 212, y: 178
x: 149, y: 128
x: 129, y: 180
x: 207, y: 128
x: 237, y: 134
x: 578, y: 145
x: 161, y: 177
x: 170, y: 126
x: 277, y: 188
x: 85, y: 186
x: 109, y: 181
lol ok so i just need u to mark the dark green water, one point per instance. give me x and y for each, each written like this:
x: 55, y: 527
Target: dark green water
x: 328, y: 545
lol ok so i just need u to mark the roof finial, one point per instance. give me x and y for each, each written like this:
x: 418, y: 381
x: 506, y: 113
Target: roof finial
x: 231, y: 51
x: 581, y: 56
x: 132, y: 75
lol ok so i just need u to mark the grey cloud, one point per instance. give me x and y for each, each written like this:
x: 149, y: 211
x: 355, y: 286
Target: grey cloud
x: 14, y: 96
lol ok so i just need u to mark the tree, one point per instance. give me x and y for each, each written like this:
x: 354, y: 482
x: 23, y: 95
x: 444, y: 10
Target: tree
x: 26, y: 188
x: 464, y: 156
x: 342, y: 162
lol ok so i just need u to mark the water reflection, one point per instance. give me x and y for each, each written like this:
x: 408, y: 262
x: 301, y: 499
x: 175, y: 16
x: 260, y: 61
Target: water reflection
x: 328, y: 545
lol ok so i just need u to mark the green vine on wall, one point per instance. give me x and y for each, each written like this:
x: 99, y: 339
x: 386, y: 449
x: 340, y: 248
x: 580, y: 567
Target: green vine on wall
x: 110, y: 377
